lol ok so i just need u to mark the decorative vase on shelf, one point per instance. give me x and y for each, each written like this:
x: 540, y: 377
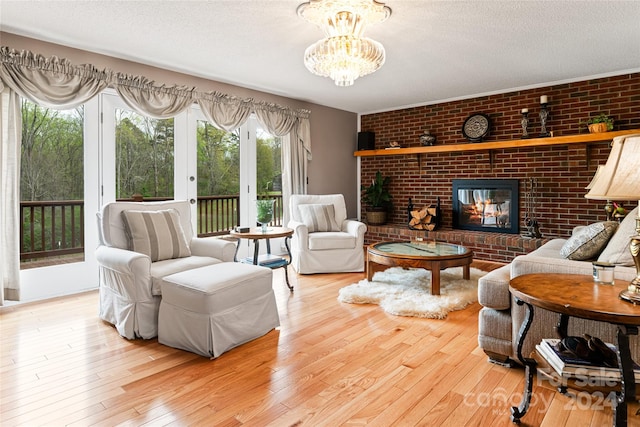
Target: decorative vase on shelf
x: 264, y: 212
x: 427, y: 139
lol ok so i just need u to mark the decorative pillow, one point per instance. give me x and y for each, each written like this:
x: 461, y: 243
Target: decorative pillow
x: 319, y: 217
x: 578, y: 228
x: 617, y: 251
x: 587, y: 243
x: 157, y: 234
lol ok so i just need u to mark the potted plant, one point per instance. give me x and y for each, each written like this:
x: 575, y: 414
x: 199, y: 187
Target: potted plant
x: 600, y: 123
x: 378, y: 198
x: 264, y: 212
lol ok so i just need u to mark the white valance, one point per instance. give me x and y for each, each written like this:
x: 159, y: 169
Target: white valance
x: 146, y: 98
x: 57, y: 83
x: 227, y: 112
x: 50, y: 82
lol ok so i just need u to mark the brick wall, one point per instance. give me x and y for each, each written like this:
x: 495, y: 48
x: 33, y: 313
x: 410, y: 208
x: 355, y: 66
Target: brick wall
x: 561, y: 172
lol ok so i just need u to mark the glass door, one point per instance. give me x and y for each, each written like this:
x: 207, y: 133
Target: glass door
x: 269, y: 170
x: 59, y: 199
x: 143, y: 160
x: 233, y: 170
x: 105, y: 151
x: 218, y: 179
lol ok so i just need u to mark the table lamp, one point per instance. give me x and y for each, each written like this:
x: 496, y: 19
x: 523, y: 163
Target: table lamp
x: 619, y: 179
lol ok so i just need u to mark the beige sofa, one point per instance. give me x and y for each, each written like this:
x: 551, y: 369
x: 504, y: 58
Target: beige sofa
x: 500, y: 318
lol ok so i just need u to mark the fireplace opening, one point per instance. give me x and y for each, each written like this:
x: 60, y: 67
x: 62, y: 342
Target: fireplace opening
x: 486, y: 205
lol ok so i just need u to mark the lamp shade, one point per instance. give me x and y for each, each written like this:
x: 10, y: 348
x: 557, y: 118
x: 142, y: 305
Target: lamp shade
x: 619, y: 179
x: 595, y: 177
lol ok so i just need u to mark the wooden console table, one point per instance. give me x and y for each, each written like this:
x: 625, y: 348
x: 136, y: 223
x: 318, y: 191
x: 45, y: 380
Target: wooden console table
x: 573, y: 295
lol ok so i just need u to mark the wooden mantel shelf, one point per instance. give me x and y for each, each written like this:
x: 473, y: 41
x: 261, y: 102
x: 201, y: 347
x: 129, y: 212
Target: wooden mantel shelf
x: 497, y: 145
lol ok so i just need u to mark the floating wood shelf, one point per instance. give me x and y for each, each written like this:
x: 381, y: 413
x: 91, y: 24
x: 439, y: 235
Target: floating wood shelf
x: 498, y: 145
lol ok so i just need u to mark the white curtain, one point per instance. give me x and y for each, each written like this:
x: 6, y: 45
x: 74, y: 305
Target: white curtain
x: 299, y: 149
x: 11, y: 130
x: 296, y: 149
x: 56, y: 83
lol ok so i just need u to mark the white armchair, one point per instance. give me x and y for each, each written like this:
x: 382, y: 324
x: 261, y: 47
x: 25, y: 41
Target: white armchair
x: 324, y: 240
x: 130, y: 281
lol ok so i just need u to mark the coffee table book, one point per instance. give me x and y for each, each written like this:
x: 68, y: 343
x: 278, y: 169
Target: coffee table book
x: 572, y: 367
x: 266, y: 260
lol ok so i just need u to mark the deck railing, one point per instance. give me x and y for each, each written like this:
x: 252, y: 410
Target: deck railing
x: 52, y: 229
x: 219, y: 214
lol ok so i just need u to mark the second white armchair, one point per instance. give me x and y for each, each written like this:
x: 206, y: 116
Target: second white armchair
x: 324, y: 240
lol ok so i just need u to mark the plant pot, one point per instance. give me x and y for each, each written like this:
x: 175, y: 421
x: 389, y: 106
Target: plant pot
x: 598, y: 127
x: 376, y: 217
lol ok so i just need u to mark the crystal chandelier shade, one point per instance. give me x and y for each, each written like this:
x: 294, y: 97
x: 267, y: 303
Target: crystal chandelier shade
x: 344, y: 54
x: 344, y: 58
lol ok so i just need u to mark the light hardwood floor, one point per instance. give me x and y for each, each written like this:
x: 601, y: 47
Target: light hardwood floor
x: 329, y: 364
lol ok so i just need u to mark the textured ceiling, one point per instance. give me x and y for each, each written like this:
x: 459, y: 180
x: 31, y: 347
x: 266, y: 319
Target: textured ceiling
x: 436, y: 50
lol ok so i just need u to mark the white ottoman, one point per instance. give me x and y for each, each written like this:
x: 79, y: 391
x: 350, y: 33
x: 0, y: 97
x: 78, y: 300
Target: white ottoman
x: 212, y: 309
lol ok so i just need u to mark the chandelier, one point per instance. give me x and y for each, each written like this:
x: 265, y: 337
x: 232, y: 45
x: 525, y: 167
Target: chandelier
x: 344, y: 54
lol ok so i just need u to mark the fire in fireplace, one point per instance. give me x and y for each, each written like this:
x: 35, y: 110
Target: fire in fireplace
x: 486, y: 205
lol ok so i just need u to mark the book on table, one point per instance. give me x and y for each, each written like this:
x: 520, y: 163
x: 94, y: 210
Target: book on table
x: 265, y: 260
x: 569, y: 366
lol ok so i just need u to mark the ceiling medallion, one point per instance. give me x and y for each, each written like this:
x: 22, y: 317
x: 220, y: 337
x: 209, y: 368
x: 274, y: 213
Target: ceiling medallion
x: 344, y: 54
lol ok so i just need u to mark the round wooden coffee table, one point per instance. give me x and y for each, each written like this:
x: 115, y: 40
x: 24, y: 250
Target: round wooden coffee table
x: 433, y: 256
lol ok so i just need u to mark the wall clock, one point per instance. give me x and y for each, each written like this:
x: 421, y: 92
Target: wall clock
x: 476, y: 127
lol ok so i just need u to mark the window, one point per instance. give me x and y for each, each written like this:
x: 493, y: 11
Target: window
x: 144, y: 156
x: 126, y: 153
x: 234, y: 169
x: 218, y: 163
x: 269, y: 170
x: 51, y: 185
x: 59, y: 179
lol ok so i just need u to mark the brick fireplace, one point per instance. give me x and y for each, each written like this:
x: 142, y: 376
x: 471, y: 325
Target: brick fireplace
x: 561, y: 171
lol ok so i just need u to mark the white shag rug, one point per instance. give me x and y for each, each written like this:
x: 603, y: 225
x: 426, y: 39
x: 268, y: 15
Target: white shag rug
x: 407, y: 292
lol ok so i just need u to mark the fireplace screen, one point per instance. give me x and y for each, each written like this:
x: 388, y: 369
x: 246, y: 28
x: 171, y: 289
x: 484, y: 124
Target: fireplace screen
x: 486, y: 205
